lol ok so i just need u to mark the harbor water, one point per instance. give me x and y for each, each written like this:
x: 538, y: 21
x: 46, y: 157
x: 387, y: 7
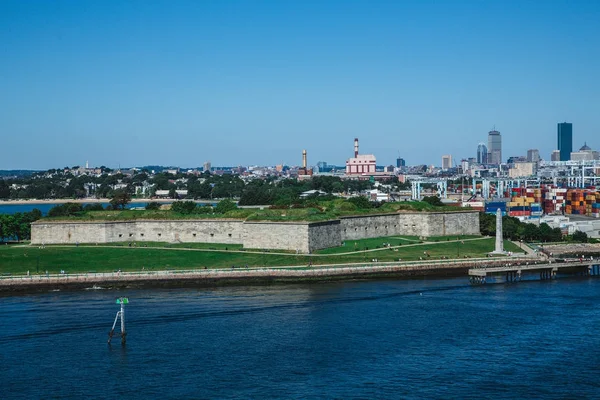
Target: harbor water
x: 45, y: 207
x: 410, y: 339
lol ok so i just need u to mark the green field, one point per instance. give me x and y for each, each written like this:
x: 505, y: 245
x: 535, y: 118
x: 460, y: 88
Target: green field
x: 73, y: 259
x: 382, y: 242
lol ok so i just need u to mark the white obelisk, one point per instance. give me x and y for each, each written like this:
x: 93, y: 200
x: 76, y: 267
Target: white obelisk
x: 499, y: 240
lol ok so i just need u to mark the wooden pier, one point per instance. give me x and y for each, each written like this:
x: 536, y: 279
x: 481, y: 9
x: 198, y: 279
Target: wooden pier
x: 547, y: 270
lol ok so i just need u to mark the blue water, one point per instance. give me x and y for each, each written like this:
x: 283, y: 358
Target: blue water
x: 411, y: 339
x: 44, y: 208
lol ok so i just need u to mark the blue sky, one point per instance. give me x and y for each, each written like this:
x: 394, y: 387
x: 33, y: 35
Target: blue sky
x: 255, y: 82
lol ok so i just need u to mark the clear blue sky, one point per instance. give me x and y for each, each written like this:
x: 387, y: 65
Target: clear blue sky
x: 255, y: 82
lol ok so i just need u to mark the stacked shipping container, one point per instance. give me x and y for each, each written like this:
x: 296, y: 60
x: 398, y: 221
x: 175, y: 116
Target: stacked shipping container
x: 554, y: 199
x: 534, y: 202
x: 583, y: 202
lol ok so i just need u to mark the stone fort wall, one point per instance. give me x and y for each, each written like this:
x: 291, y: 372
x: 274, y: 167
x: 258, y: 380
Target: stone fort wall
x: 410, y: 223
x: 301, y: 236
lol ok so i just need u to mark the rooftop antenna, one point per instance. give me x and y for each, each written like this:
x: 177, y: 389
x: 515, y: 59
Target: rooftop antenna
x: 122, y: 301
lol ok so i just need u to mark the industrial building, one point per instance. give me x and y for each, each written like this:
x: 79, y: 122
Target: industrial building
x: 360, y: 164
x: 304, y: 172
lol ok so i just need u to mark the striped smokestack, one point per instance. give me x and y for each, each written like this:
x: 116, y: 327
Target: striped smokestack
x: 355, y: 147
x: 304, y: 159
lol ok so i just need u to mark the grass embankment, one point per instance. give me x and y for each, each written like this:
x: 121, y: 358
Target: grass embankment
x: 73, y: 259
x: 393, y: 241
x: 325, y: 210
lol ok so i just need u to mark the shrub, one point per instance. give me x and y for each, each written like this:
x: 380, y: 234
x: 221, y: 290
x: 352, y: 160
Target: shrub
x: 153, y: 206
x: 183, y: 207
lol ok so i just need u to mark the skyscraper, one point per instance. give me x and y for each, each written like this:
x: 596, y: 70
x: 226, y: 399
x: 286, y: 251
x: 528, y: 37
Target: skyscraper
x: 446, y: 162
x: 400, y: 162
x: 565, y: 140
x: 533, y: 155
x: 494, y: 147
x: 482, y: 154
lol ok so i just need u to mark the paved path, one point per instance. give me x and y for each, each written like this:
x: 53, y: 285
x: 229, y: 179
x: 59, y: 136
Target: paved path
x: 528, y: 250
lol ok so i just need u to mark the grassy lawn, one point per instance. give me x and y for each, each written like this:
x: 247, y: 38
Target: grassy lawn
x: 380, y: 242
x: 19, y: 260
x: 206, y: 246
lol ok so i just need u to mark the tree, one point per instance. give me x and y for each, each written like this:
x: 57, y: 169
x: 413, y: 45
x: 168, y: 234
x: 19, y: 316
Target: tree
x: 153, y: 206
x: 530, y: 232
x: 487, y: 224
x: 4, y: 226
x: 581, y: 237
x: 183, y: 207
x: 65, y: 210
x: 361, y: 202
x: 225, y: 205
x: 4, y: 190
x: 120, y: 199
x: 433, y: 200
x: 545, y: 232
x: 93, y: 207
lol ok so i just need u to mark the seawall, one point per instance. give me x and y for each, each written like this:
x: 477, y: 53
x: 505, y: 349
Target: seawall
x: 218, y: 277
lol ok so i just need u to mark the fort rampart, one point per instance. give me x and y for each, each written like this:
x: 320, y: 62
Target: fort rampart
x: 301, y: 236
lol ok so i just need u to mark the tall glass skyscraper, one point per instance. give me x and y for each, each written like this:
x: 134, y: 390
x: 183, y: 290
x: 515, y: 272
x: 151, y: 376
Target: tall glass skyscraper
x: 494, y: 147
x: 482, y: 154
x: 565, y: 140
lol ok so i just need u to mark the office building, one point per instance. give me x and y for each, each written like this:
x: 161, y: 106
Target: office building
x: 446, y: 162
x: 400, y: 162
x: 585, y: 153
x: 555, y: 155
x: 522, y: 169
x: 533, y: 155
x: 565, y: 140
x: 494, y: 148
x: 482, y: 154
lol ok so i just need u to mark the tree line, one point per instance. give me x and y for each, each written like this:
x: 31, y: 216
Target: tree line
x: 513, y: 229
x: 57, y: 184
x: 18, y: 226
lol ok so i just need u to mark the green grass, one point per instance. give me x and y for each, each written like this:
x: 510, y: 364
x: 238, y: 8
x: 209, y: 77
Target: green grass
x: 20, y: 259
x: 326, y: 210
x: 379, y: 243
x: 206, y: 246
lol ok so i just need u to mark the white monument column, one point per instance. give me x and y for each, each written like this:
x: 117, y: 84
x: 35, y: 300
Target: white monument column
x: 499, y: 240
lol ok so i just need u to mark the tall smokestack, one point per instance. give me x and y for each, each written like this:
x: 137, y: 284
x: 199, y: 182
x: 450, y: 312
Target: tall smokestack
x: 304, y: 159
x: 355, y: 147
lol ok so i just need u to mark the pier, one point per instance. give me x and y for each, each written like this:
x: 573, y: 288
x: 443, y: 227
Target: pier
x: 547, y: 270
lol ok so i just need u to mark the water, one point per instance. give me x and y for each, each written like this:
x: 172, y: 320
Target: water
x: 381, y: 339
x: 44, y: 208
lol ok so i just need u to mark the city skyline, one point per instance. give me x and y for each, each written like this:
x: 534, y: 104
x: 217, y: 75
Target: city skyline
x: 255, y: 83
